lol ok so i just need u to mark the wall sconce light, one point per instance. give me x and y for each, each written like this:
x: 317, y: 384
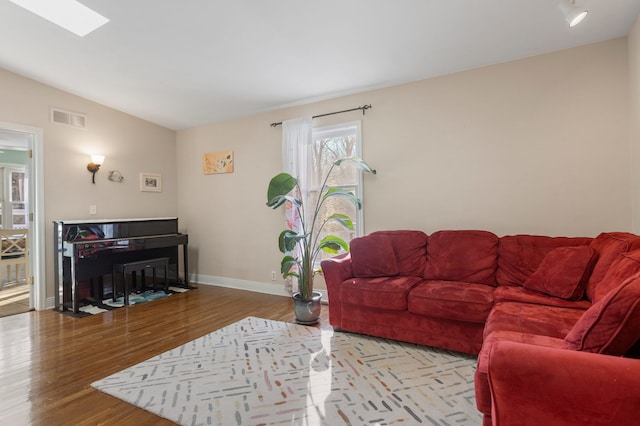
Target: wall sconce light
x: 572, y: 13
x: 94, y: 165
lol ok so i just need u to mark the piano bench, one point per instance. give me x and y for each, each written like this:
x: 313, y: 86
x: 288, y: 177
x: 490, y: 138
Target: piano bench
x: 140, y: 268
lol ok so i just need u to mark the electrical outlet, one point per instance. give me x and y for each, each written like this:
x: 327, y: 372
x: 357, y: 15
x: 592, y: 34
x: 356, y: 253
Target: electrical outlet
x: 93, y: 209
x: 273, y: 275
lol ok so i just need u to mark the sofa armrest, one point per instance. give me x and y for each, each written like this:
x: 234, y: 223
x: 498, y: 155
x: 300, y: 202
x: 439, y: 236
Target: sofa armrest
x: 533, y: 385
x: 335, y: 271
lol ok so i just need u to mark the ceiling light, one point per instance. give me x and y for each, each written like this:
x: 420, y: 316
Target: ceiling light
x: 572, y: 13
x: 69, y: 14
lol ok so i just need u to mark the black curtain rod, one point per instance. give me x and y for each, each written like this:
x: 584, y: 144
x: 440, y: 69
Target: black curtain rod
x: 362, y: 108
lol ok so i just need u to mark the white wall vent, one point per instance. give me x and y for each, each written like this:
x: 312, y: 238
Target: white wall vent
x: 69, y: 118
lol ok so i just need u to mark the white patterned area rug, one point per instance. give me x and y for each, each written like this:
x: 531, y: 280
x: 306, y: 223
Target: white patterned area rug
x: 262, y: 372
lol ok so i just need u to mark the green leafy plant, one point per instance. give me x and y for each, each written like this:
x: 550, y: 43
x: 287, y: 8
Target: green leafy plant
x: 282, y: 188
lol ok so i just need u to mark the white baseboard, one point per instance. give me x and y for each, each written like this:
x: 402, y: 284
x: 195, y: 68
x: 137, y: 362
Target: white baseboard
x: 256, y: 286
x: 50, y: 303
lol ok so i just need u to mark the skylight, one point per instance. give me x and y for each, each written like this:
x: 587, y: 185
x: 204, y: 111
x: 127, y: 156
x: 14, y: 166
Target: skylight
x: 69, y: 14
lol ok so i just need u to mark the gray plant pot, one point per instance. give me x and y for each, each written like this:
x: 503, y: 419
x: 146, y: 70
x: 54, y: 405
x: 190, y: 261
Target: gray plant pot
x: 307, y: 312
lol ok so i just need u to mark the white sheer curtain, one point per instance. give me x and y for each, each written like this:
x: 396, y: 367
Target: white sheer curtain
x: 296, y: 139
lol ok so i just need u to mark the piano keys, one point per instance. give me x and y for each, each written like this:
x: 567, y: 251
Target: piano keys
x: 85, y: 252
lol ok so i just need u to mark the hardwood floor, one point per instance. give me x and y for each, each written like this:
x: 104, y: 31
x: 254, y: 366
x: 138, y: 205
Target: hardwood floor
x: 14, y: 299
x: 48, y: 360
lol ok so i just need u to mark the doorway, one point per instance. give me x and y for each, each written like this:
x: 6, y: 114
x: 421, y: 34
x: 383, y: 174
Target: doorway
x: 15, y: 291
x: 21, y: 220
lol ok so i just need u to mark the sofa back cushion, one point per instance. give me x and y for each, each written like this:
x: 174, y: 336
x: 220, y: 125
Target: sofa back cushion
x: 612, y: 325
x: 563, y: 272
x: 608, y: 245
x: 623, y: 267
x: 520, y: 255
x: 410, y: 249
x: 469, y: 256
x: 373, y: 256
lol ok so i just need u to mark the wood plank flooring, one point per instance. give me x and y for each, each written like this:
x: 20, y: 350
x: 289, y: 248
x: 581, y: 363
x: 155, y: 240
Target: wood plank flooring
x: 14, y: 299
x: 48, y: 360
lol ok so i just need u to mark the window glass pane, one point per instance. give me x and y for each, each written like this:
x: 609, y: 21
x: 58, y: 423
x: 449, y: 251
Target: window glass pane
x: 332, y: 206
x: 19, y: 215
x: 329, y: 144
x: 17, y: 186
x: 325, y: 151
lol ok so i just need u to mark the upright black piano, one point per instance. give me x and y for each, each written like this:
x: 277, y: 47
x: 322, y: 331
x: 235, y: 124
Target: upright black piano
x: 85, y: 252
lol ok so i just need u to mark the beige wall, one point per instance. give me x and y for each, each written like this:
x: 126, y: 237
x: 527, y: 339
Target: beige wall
x: 634, y: 114
x: 131, y: 146
x: 539, y: 145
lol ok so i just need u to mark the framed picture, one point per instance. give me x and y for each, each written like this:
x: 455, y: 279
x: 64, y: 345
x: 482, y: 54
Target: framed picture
x: 217, y: 162
x: 150, y: 182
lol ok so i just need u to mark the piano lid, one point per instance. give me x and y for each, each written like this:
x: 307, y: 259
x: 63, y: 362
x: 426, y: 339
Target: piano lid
x: 116, y: 228
x: 80, y: 221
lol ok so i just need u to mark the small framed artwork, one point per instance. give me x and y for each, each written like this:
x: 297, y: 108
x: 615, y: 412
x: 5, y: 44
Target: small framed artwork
x: 150, y: 182
x: 217, y: 162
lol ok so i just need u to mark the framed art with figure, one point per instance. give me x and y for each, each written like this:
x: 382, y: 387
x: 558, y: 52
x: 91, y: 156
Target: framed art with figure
x: 217, y: 162
x: 150, y: 182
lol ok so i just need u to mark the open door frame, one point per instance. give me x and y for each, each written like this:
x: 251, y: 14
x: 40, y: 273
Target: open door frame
x: 35, y: 167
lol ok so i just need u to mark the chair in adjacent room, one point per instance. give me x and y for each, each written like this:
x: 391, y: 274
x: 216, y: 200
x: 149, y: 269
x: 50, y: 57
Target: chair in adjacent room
x: 14, y: 255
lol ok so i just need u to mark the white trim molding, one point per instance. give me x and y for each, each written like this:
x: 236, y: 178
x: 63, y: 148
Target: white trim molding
x: 38, y: 291
x: 255, y: 286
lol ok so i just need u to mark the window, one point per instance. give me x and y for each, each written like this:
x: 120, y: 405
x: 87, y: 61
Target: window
x: 13, y: 201
x: 329, y: 144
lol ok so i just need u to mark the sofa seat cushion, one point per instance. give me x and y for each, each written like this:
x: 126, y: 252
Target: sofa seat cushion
x: 507, y: 293
x: 612, y: 325
x: 373, y: 256
x: 382, y: 292
x: 481, y: 380
x: 452, y: 300
x: 563, y: 272
x: 520, y: 255
x: 468, y: 256
x: 528, y: 318
x: 608, y: 245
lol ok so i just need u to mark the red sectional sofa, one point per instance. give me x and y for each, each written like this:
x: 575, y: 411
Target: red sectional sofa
x: 536, y: 310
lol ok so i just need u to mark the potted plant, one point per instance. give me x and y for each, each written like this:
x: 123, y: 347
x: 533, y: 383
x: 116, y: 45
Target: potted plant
x: 300, y: 264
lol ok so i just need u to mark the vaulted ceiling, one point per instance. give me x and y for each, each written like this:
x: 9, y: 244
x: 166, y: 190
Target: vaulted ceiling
x: 186, y: 63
